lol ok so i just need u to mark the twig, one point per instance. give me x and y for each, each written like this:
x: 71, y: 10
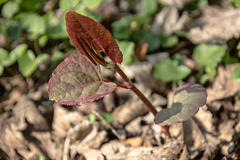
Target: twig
x: 109, y: 126
x: 66, y: 148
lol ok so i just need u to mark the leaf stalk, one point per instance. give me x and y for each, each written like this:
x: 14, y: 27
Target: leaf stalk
x: 131, y: 86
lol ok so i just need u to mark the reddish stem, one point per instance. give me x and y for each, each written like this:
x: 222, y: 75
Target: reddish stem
x: 118, y: 84
x: 130, y: 85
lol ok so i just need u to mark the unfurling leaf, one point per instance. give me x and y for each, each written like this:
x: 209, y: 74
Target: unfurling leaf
x: 187, y: 100
x: 77, y: 81
x: 91, y: 38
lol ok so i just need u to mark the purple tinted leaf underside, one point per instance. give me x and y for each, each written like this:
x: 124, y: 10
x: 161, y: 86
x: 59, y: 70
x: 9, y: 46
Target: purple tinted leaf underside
x: 77, y: 81
x: 187, y: 100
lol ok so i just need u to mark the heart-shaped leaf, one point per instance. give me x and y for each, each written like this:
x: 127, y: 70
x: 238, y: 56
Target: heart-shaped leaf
x: 93, y: 34
x: 187, y: 100
x: 77, y: 81
x: 28, y: 63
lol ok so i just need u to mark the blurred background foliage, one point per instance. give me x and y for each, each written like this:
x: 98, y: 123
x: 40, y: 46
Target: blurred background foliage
x: 33, y: 33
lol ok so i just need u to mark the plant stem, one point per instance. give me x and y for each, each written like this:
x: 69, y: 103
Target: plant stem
x: 130, y: 85
x: 36, y: 46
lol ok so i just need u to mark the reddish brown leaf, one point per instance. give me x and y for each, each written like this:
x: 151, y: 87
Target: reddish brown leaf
x: 93, y: 34
x: 77, y: 81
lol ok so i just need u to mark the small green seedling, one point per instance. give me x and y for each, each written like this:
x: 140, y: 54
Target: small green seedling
x: 209, y: 56
x: 77, y: 80
x: 27, y: 61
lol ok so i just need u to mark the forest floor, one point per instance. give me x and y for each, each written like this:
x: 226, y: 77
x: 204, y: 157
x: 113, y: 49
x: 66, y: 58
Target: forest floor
x: 119, y: 126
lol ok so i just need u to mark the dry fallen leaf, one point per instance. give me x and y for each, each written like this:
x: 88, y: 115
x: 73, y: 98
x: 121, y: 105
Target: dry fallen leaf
x: 26, y: 133
x: 115, y: 150
x: 134, y: 127
x: 93, y: 154
x: 178, y: 3
x: 63, y: 121
x: 26, y: 110
x: 168, y: 21
x: 211, y: 147
x: 112, y: 148
x: 226, y: 130
x: 224, y: 86
x: 14, y: 96
x: 206, y: 118
x: 128, y: 112
x: 80, y: 131
x: 48, y: 145
x: 12, y: 140
x: 215, y: 25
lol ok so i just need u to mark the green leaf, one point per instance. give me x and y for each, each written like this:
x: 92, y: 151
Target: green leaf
x: 3, y: 1
x: 28, y: 62
x: 236, y: 3
x: 9, y: 9
x: 170, y: 42
x: 187, y: 100
x: 149, y: 6
x: 168, y: 70
x: 57, y: 56
x: 91, y: 4
x: 58, y: 31
x: 107, y: 116
x: 195, y: 4
x: 238, y: 46
x: 43, y: 40
x: 15, y: 54
x: 67, y: 5
x: 1, y: 70
x: 50, y: 19
x: 77, y: 81
x: 95, y: 16
x: 4, y: 55
x: 154, y: 42
x: 123, y: 27
x: 236, y: 73
x: 33, y: 23
x: 14, y: 30
x: 127, y: 48
x: 209, y: 54
x: 31, y: 5
x: 92, y: 117
x: 41, y: 58
x: 210, y: 73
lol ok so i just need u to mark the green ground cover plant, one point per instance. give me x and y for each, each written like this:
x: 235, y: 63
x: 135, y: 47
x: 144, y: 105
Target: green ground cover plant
x: 27, y: 21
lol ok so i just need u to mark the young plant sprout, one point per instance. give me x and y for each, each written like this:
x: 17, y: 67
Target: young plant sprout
x: 77, y: 79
